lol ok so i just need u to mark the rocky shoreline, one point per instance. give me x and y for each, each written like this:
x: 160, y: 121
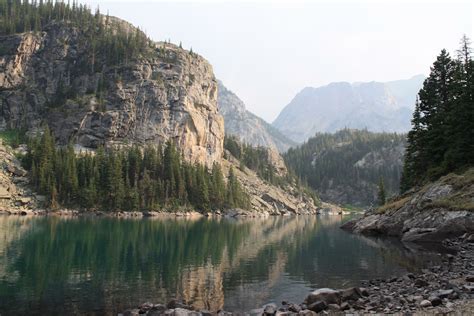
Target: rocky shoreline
x: 229, y: 213
x: 440, y: 210
x: 441, y: 289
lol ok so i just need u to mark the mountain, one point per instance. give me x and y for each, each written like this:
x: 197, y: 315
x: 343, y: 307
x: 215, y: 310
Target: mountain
x: 376, y: 106
x: 93, y: 83
x: 346, y: 167
x: 91, y: 93
x: 247, y: 126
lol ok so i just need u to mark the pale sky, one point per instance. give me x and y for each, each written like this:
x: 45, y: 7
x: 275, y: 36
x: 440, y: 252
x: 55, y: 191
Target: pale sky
x: 267, y: 51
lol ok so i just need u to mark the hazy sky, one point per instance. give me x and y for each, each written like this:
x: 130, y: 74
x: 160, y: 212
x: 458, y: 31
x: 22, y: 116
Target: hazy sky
x: 267, y: 51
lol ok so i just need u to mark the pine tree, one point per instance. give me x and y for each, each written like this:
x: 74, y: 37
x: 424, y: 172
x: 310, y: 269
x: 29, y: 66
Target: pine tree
x: 441, y: 141
x: 414, y: 161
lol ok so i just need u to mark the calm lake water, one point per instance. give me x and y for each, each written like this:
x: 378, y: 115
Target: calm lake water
x: 97, y: 266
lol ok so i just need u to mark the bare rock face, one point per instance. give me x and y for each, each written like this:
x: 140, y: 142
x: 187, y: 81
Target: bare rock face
x: 169, y: 94
x: 14, y: 194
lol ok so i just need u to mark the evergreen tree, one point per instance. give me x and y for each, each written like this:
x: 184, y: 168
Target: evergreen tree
x: 129, y: 179
x: 441, y: 141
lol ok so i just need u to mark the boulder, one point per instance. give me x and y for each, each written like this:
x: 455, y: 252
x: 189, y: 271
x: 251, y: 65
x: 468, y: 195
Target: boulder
x: 269, y: 310
x: 350, y: 294
x: 145, y: 307
x: 295, y: 308
x: 421, y: 283
x: 444, y: 293
x: 334, y: 307
x: 435, y: 300
x: 326, y: 295
x: 317, y: 306
x: 425, y: 303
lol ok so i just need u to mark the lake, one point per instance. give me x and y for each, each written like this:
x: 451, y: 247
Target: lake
x: 97, y: 266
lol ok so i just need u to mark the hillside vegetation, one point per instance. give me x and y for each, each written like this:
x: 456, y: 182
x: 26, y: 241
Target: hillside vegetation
x: 347, y: 167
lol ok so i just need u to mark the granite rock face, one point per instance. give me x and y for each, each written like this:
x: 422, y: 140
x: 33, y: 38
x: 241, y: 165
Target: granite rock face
x: 167, y: 94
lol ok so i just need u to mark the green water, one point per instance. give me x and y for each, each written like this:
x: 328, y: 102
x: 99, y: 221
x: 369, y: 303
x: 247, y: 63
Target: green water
x: 51, y: 265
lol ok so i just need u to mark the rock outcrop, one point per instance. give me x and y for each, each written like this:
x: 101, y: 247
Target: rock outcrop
x: 168, y: 93
x: 440, y: 210
x: 14, y: 193
x: 377, y: 106
x: 248, y: 127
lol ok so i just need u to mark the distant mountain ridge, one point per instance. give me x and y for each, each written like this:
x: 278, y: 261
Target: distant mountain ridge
x: 248, y: 127
x: 375, y: 106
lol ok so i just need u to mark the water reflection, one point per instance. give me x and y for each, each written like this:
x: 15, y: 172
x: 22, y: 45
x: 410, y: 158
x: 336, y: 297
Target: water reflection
x: 102, y: 266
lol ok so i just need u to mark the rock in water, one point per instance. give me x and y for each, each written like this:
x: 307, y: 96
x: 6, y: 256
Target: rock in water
x: 326, y: 295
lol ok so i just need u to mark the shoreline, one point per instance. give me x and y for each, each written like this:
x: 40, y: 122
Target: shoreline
x: 446, y: 288
x: 230, y: 213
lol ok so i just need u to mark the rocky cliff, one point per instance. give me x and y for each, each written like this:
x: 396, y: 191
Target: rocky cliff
x: 442, y: 209
x: 377, y: 106
x: 54, y: 77
x: 248, y: 127
x: 15, y: 196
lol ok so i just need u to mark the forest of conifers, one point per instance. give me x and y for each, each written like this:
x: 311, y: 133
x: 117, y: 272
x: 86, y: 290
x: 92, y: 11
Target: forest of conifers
x: 329, y: 161
x: 112, y: 45
x: 441, y: 140
x: 128, y: 179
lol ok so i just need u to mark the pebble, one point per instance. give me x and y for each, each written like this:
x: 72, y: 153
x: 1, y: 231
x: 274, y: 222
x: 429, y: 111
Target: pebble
x: 439, y: 289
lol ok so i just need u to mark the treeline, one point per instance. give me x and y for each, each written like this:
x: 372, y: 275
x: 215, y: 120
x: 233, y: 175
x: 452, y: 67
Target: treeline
x: 442, y: 136
x: 109, y: 41
x: 354, y: 161
x: 128, y: 179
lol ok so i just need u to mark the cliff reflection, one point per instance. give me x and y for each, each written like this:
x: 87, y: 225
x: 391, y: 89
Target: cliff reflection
x: 102, y: 266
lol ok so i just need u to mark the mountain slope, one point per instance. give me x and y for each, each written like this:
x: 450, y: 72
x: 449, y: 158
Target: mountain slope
x: 247, y: 126
x: 346, y: 167
x: 97, y: 81
x: 92, y: 90
x: 376, y: 106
